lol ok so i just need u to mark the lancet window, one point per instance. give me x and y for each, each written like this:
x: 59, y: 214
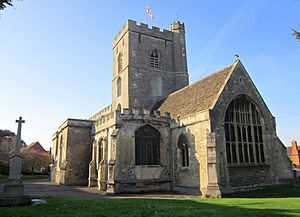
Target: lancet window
x: 120, y: 63
x: 183, y: 145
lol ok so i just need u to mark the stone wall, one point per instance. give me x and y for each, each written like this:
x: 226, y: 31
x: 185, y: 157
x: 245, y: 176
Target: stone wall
x: 99, y: 169
x: 73, y: 144
x: 59, y: 154
x: 129, y: 177
x: 200, y: 177
x: 268, y: 173
x: 248, y: 175
x: 187, y: 179
x: 143, y: 85
x: 121, y: 47
x: 284, y: 165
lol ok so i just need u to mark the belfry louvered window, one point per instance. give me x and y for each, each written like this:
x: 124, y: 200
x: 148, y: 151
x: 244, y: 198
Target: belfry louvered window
x: 243, y: 133
x: 183, y: 145
x: 154, y: 59
x: 147, y: 146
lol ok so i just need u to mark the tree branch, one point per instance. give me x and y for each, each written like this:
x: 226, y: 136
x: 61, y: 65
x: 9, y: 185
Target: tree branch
x: 5, y: 3
x: 296, y: 34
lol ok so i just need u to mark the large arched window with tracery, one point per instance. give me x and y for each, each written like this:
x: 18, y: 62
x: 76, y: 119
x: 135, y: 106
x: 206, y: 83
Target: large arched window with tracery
x: 154, y: 59
x: 147, y: 146
x: 243, y: 133
x: 183, y: 145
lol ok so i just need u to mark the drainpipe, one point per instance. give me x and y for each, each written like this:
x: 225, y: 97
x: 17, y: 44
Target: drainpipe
x: 106, y: 154
x: 172, y: 160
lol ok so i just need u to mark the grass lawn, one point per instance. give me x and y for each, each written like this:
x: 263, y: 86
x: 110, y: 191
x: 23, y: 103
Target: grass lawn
x: 279, y: 192
x: 270, y: 202
x: 25, y: 177
x: 232, y: 207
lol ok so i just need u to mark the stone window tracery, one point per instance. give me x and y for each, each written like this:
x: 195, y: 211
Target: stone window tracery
x: 183, y: 145
x: 243, y: 133
x: 154, y: 59
x: 147, y: 146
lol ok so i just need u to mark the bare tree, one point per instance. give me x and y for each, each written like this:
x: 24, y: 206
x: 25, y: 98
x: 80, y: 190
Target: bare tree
x: 34, y: 161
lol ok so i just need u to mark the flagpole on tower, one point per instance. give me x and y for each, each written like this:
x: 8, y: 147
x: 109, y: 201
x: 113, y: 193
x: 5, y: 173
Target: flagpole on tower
x: 148, y: 11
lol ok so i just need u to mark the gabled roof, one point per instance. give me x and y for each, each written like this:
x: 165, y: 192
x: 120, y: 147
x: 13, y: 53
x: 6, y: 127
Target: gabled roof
x: 35, y: 146
x: 196, y: 97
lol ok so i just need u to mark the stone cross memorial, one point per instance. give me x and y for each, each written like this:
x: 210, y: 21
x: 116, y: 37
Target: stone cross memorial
x: 14, y: 186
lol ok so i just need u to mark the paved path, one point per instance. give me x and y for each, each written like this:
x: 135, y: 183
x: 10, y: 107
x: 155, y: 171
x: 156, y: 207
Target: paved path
x: 44, y: 188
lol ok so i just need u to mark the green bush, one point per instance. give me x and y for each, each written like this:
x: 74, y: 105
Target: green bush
x: 4, y: 168
x: 4, y: 133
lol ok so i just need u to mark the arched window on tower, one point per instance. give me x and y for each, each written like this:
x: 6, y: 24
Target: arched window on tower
x: 243, y: 133
x: 119, y: 87
x: 147, y: 146
x: 154, y: 59
x: 120, y: 63
x: 183, y: 145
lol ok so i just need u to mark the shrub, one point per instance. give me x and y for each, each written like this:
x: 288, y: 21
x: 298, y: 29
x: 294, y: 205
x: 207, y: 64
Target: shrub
x: 4, y: 168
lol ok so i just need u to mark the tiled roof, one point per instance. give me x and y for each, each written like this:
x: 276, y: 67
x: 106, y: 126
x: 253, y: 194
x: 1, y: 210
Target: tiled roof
x: 36, y: 146
x: 196, y: 97
x: 293, y: 150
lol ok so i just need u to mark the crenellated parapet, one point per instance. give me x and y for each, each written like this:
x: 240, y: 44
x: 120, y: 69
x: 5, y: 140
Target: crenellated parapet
x: 141, y: 115
x: 101, y: 113
x: 118, y: 116
x: 105, y: 121
x: 142, y: 28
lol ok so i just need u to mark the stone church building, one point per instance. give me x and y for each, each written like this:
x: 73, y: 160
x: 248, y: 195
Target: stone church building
x: 162, y: 134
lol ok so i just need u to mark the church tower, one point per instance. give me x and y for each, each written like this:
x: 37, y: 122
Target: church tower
x: 148, y: 64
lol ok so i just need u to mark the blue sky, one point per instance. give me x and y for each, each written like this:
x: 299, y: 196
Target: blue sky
x: 56, y: 56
